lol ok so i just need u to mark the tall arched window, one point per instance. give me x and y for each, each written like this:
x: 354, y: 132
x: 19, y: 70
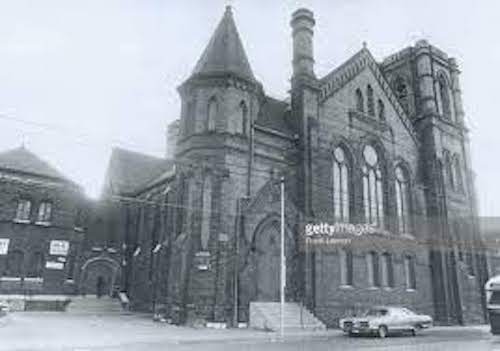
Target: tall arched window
x: 401, y: 90
x: 381, y: 110
x: 189, y: 120
x: 448, y: 165
x: 410, y: 274
x: 360, y: 103
x: 457, y: 173
x: 370, y: 100
x: 244, y: 117
x: 387, y: 270
x: 373, y: 268
x: 212, y: 113
x: 372, y: 187
x: 444, y: 95
x: 206, y: 212
x: 346, y: 269
x: 402, y: 199
x: 341, y: 199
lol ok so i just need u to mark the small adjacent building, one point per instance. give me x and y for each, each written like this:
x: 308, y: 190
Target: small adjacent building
x: 42, y: 216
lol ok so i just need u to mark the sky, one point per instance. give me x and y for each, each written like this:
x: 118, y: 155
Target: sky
x: 80, y: 77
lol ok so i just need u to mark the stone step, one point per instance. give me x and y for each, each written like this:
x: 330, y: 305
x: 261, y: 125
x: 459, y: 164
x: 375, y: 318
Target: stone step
x: 94, y: 305
x: 267, y: 315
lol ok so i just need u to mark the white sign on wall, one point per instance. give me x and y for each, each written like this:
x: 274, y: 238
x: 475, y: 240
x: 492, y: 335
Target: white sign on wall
x: 54, y: 265
x: 4, y: 246
x: 59, y: 247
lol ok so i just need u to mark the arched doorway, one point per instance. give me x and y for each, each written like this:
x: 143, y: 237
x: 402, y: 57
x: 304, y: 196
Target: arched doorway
x: 267, y: 253
x: 100, y: 276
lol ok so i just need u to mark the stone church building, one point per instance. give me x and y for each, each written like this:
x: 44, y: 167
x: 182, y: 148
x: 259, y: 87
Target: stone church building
x: 377, y: 142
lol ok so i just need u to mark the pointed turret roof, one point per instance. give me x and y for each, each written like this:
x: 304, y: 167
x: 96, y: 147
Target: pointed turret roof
x: 225, y: 53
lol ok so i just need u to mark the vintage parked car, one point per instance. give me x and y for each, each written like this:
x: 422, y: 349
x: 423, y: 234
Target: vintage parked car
x: 384, y: 320
x: 4, y: 310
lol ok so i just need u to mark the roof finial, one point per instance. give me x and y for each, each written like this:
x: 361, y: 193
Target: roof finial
x: 229, y: 9
x: 365, y: 45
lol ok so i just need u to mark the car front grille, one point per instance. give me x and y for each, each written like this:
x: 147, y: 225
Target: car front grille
x: 347, y: 325
x: 363, y: 324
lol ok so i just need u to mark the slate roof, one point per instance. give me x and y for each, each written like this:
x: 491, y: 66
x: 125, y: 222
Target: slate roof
x: 274, y: 115
x: 129, y: 171
x: 224, y: 52
x: 24, y: 161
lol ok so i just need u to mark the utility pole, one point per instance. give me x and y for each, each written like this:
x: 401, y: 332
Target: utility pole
x: 283, y: 262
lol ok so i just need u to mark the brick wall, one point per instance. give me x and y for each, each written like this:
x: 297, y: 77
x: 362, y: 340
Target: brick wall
x: 30, y: 237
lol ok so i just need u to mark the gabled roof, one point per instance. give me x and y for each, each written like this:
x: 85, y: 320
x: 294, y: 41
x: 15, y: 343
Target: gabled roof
x: 24, y: 161
x: 340, y: 76
x: 129, y: 171
x: 273, y: 115
x: 224, y: 53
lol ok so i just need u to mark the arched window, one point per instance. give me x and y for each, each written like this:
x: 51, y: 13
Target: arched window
x: 35, y: 268
x: 212, y: 113
x: 401, y: 90
x: 206, y: 212
x: 244, y: 117
x: 15, y: 263
x: 372, y: 187
x: 360, y: 103
x: 457, y: 173
x: 373, y: 268
x: 370, y: 100
x: 341, y: 198
x: 448, y: 165
x: 189, y: 120
x: 409, y: 264
x: 403, y: 199
x: 381, y: 110
x: 444, y: 96
x: 346, y: 267
x: 387, y: 270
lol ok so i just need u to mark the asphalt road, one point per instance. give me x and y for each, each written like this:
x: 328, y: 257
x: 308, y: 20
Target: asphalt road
x: 63, y: 332
x: 438, y: 341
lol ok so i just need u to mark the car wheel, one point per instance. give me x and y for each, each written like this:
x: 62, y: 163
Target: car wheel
x: 382, y: 331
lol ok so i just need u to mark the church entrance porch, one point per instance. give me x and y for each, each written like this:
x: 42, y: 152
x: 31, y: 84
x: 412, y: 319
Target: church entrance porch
x: 260, y: 274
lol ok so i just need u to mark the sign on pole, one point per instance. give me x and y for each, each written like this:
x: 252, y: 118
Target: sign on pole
x: 4, y: 246
x: 59, y: 247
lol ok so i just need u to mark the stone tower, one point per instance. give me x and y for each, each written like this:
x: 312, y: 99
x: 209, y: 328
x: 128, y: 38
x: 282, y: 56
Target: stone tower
x: 426, y: 81
x: 220, y: 100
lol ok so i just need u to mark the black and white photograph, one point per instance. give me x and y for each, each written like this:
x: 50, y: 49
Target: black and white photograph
x: 249, y: 175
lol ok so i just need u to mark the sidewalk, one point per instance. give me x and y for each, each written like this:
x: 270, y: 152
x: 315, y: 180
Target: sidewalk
x: 59, y: 330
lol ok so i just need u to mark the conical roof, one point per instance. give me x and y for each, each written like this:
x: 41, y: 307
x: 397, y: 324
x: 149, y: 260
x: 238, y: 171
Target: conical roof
x: 225, y: 53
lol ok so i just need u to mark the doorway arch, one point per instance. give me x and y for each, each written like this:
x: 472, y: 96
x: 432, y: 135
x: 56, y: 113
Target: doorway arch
x: 100, y: 276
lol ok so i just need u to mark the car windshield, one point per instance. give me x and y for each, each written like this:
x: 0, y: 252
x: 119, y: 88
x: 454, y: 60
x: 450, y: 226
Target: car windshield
x: 407, y: 311
x: 376, y: 312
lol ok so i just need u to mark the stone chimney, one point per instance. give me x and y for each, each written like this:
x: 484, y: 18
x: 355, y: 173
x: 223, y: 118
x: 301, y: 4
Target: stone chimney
x: 303, y: 32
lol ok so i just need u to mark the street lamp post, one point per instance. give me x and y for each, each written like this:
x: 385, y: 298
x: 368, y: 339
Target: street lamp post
x: 283, y: 262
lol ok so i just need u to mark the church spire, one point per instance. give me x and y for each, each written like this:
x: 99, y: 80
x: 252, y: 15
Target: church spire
x: 225, y: 53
